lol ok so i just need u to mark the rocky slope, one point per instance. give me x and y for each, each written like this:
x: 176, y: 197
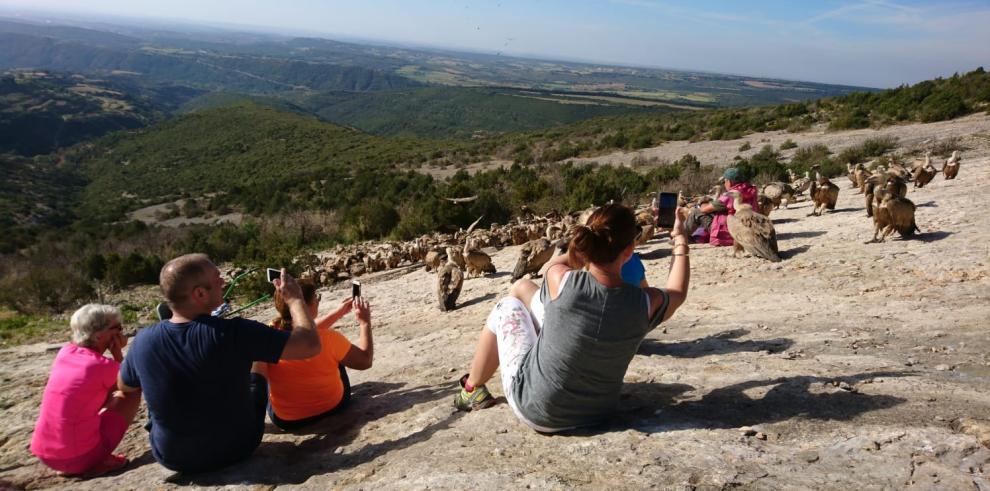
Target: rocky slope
x: 847, y: 365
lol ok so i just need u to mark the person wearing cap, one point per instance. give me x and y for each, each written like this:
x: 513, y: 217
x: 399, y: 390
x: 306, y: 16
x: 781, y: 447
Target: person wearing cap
x: 708, y: 221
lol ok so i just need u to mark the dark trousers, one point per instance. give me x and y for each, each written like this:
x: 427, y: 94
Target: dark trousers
x: 696, y: 219
x: 295, y: 424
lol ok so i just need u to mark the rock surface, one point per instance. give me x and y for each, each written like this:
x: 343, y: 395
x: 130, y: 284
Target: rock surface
x: 820, y: 372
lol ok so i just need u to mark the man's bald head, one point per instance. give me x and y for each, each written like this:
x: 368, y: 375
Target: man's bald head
x: 181, y: 275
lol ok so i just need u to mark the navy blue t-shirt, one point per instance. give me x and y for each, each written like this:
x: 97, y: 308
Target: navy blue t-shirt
x: 195, y: 378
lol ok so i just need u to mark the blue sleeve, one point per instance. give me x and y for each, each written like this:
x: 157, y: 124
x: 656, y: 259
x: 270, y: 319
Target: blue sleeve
x: 633, y: 271
x: 260, y: 342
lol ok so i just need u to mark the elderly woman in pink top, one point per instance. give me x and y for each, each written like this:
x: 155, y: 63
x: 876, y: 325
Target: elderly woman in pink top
x: 708, y: 223
x: 83, y: 417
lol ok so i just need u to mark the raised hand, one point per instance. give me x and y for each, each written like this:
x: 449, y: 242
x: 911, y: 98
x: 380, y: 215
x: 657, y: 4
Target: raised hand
x: 286, y: 285
x: 117, y: 343
x: 345, y: 306
x: 680, y: 215
x: 362, y: 310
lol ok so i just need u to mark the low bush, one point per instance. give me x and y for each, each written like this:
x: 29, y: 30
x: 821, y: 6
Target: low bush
x: 870, y: 148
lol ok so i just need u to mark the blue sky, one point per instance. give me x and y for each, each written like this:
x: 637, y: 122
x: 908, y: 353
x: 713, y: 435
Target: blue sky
x: 876, y: 43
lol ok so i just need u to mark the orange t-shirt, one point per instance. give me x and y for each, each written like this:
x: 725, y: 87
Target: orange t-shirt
x: 303, y: 388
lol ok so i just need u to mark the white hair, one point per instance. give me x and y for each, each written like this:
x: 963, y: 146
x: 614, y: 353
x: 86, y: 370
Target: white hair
x: 91, y: 319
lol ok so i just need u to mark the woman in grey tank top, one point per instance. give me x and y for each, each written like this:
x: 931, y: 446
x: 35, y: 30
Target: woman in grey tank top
x: 564, y: 348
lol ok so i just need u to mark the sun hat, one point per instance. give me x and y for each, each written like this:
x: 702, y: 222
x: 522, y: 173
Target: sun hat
x: 733, y: 174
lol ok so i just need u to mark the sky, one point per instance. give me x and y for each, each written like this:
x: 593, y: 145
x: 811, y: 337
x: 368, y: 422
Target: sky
x: 875, y: 43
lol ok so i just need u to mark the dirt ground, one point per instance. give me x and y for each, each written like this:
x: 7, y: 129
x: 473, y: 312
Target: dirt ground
x: 847, y: 365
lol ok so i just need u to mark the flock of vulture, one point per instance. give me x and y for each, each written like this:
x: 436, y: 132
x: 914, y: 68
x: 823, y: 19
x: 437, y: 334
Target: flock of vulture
x: 884, y: 189
x: 453, y: 257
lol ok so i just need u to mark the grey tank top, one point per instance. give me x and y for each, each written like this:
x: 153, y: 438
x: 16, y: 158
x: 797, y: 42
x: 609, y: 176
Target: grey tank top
x: 573, y: 374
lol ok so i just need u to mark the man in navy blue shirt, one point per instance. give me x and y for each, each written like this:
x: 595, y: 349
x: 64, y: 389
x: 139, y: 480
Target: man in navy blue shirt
x: 206, y: 394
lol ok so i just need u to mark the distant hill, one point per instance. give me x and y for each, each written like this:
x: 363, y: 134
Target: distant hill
x: 191, y: 67
x: 247, y: 150
x: 302, y: 181
x: 459, y: 112
x: 233, y: 61
x: 40, y: 112
x: 260, y: 150
x: 35, y: 194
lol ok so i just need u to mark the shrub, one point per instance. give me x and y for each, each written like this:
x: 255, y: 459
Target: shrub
x: 50, y: 290
x: 817, y: 154
x: 663, y: 174
x: 688, y: 161
x: 766, y: 161
x: 788, y: 144
x: 942, y: 106
x: 871, y: 147
x: 850, y: 119
x: 373, y: 219
x: 945, y: 147
x: 745, y: 146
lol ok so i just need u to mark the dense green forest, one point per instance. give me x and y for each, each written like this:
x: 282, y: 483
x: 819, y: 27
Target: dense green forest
x: 457, y: 112
x: 39, y: 113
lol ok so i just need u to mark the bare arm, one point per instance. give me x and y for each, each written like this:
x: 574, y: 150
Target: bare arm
x: 715, y: 206
x: 557, y: 267
x: 126, y: 388
x: 303, y: 342
x: 362, y: 353
x: 327, y: 321
x: 680, y: 271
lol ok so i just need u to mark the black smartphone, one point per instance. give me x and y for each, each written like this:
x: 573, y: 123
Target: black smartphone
x: 355, y: 288
x: 273, y: 274
x: 666, y: 209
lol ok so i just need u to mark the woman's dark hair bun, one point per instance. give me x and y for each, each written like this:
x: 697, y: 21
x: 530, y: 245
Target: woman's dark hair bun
x: 609, y: 230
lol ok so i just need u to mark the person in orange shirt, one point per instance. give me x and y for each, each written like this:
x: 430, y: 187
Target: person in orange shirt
x: 302, y: 392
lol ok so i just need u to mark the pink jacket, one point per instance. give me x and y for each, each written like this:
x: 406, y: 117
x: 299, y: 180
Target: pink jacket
x: 69, y: 419
x: 719, y: 235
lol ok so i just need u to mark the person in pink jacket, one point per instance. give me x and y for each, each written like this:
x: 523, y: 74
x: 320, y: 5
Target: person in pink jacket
x: 83, y: 417
x: 708, y: 222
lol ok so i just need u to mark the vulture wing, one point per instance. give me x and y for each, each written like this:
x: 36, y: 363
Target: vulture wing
x: 449, y: 281
x: 755, y: 234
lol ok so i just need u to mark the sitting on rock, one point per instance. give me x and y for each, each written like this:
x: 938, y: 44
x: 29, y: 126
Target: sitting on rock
x: 633, y: 271
x: 305, y: 391
x: 584, y: 311
x: 708, y: 222
x: 83, y: 417
x: 206, y: 391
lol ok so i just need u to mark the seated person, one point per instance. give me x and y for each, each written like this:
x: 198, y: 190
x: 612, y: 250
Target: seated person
x: 305, y: 391
x: 709, y: 220
x: 206, y: 394
x: 592, y: 315
x: 83, y: 417
x: 633, y: 271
